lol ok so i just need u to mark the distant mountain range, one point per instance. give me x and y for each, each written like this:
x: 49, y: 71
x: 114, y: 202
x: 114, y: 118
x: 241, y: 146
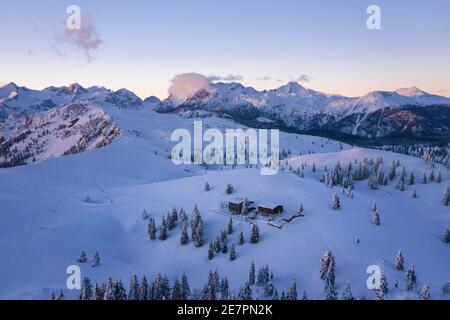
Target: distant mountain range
x: 406, y: 115
x: 380, y: 117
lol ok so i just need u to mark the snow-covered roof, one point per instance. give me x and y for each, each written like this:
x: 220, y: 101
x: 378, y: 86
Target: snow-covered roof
x: 268, y: 204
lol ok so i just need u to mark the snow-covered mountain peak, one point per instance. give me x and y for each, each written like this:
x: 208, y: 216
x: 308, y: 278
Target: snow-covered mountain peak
x: 291, y: 88
x: 411, y: 92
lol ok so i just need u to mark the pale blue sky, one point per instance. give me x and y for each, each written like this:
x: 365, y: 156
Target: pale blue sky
x: 145, y: 43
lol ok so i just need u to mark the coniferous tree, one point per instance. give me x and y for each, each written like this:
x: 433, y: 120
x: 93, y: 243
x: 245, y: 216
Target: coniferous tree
x: 232, y: 252
x: 145, y: 215
x: 414, y: 194
x: 424, y: 178
x: 224, y: 289
x: 174, y: 217
x: 151, y: 229
x: 446, y: 196
x: 143, y: 289
x: 60, y: 296
x: 439, y: 177
x: 99, y: 291
x: 251, y: 277
x: 325, y: 263
x: 431, y: 176
x: 185, y: 287
x: 134, y: 292
x: 384, y: 284
x: 244, y: 210
x: 424, y: 293
x: 109, y: 290
x: 400, y: 261
x: 446, y: 236
x: 347, y: 294
x: 305, y: 296
x: 275, y: 294
x: 82, y: 258
x: 229, y: 189
x: 376, y: 218
x: 52, y: 296
x: 291, y: 293
x: 245, y: 292
x: 211, y: 251
x: 184, y: 238
x: 241, y: 238
x: 230, y: 226
x: 336, y: 202
x: 177, y: 290
x: 330, y: 279
x: 95, y: 260
x: 411, y: 278
x: 411, y: 178
x: 86, y: 289
x: 119, y: 291
x: 400, y: 183
x: 255, y: 234
x: 163, y: 230
x: 207, y: 187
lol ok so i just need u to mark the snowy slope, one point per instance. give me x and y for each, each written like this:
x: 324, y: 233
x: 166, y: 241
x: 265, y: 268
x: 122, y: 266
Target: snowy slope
x: 94, y: 200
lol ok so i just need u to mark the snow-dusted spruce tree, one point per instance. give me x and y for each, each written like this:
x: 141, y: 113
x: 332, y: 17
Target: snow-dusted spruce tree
x: 232, y: 252
x: 211, y: 251
x: 177, y: 290
x: 241, y: 238
x: 275, y: 294
x: 411, y: 278
x: 424, y: 178
x: 60, y: 296
x: 446, y: 236
x: 143, y: 288
x: 82, y: 258
x: 163, y: 230
x: 224, y: 289
x: 411, y: 178
x: 95, y: 260
x: 184, y: 238
x: 145, y: 215
x: 52, y: 296
x: 414, y: 194
x: 269, y: 289
x: 223, y: 240
x: 263, y: 276
x: 392, y: 171
x: 199, y: 237
x: 384, y: 287
x: 347, y: 293
x: 174, y: 217
x: 185, y: 287
x: 251, y: 276
x: 439, y: 177
x: 207, y: 187
x: 99, y: 291
x: 446, y: 289
x: 230, y: 226
x: 375, y: 206
x: 245, y: 292
x: 330, y: 281
x: 376, y: 218
x: 134, y: 291
x: 314, y: 167
x: 119, y: 291
x: 400, y: 261
x: 446, y: 196
x: 291, y: 293
x: 217, y: 245
x: 400, y: 183
x: 109, y: 290
x: 424, y: 293
x: 229, y: 189
x: 336, y: 202
x: 431, y: 176
x: 255, y: 234
x: 86, y: 289
x: 325, y: 262
x: 151, y: 229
